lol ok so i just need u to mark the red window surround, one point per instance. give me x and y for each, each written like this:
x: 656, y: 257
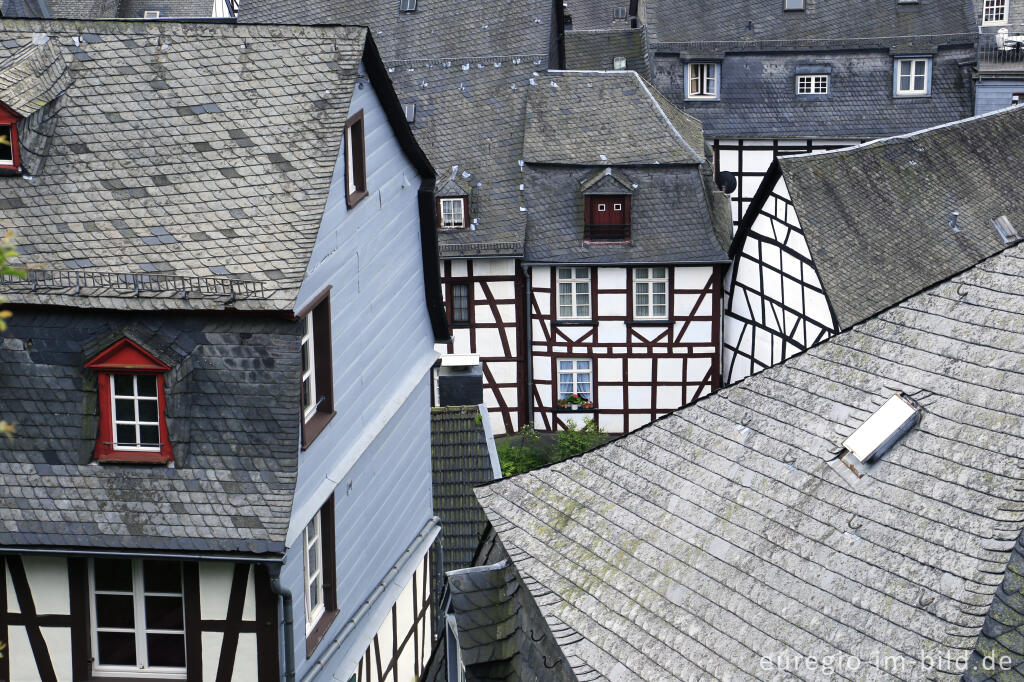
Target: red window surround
x: 127, y: 363
x: 10, y: 158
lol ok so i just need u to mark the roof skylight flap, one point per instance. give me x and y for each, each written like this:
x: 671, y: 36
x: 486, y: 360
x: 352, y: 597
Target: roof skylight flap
x: 880, y: 432
x: 1006, y: 230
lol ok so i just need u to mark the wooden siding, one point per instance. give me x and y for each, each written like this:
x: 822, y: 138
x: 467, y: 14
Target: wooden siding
x: 775, y: 304
x: 497, y: 292
x: 374, y: 455
x: 641, y: 370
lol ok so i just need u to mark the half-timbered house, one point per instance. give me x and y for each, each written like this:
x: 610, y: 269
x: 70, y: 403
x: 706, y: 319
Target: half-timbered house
x: 623, y: 267
x: 834, y: 237
x: 219, y: 363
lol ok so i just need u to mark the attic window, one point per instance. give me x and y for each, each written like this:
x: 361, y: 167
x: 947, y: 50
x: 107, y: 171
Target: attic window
x: 130, y: 383
x: 151, y: 14
x: 607, y: 218
x: 9, y: 158
x: 355, y: 160
x: 407, y: 5
x: 619, y: 63
x: 792, y: 5
x: 812, y: 84
x: 1006, y: 230
x: 451, y: 213
x: 620, y: 13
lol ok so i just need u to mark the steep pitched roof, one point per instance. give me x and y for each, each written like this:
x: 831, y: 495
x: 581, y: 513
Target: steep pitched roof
x: 437, y: 29
x: 674, y: 21
x: 719, y: 535
x: 159, y: 170
x: 463, y: 456
x: 33, y: 76
x: 877, y: 216
x: 606, y: 118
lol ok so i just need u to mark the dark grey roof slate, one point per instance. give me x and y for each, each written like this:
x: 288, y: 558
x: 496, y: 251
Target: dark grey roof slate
x: 438, y: 29
x: 592, y: 15
x: 877, y: 217
x: 670, y: 217
x: 758, y: 95
x: 611, y: 118
x: 461, y: 453
x: 719, y: 534
x: 232, y: 415
x: 673, y: 21
x: 597, y: 50
x: 469, y: 114
x: 157, y: 165
x: 33, y: 9
x: 33, y: 76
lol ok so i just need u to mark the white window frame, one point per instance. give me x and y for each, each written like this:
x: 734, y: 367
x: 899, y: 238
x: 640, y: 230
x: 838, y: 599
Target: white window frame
x: 993, y: 13
x: 644, y: 276
x: 812, y: 84
x: 9, y: 163
x: 706, y: 74
x: 314, y: 613
x: 578, y: 280
x: 898, y: 75
x: 574, y: 373
x: 151, y: 14
x: 448, y: 206
x: 309, y: 374
x: 138, y: 594
x: 137, y: 422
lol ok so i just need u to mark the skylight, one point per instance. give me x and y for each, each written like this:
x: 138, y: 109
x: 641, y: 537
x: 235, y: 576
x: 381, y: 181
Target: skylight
x: 882, y: 429
x: 1006, y: 230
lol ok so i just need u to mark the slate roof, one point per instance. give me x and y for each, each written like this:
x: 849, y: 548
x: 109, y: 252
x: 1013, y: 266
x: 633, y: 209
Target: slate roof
x: 158, y: 165
x: 877, y: 216
x: 677, y: 21
x: 594, y: 15
x: 231, y: 412
x: 469, y: 114
x: 758, y: 99
x: 719, y: 534
x: 438, y: 29
x: 463, y: 456
x: 106, y: 9
x: 606, y: 118
x: 597, y: 50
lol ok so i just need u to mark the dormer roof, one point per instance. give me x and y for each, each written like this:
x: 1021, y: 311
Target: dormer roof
x: 33, y: 75
x: 607, y: 182
x: 606, y: 118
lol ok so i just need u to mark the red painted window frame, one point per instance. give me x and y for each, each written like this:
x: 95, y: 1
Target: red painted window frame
x: 8, y: 117
x: 127, y: 357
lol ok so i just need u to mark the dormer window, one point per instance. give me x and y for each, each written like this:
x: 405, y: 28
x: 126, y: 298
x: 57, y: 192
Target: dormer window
x: 130, y: 387
x: 9, y: 159
x: 792, y: 5
x: 452, y: 212
x: 607, y: 218
x: 912, y: 76
x: 812, y: 84
x: 702, y: 80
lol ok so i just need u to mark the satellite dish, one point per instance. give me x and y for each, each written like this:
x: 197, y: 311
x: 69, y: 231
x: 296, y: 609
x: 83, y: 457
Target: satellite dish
x: 726, y: 181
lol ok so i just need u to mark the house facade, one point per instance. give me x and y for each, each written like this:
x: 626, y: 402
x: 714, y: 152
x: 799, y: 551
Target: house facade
x: 811, y: 257
x: 1000, y: 69
x: 213, y: 498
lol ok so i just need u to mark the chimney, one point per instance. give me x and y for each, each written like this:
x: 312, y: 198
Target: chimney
x: 460, y: 381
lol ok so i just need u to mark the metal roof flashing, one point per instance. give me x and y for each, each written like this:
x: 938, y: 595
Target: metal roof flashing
x: 863, y: 448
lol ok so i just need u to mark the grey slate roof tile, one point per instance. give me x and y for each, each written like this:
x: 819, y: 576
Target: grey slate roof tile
x: 596, y: 50
x: 124, y: 162
x: 718, y: 535
x: 877, y: 216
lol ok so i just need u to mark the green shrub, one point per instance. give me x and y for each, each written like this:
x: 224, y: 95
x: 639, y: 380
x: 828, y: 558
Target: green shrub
x: 528, y: 450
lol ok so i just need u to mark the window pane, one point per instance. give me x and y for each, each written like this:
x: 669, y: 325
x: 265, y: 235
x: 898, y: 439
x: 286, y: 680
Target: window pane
x: 147, y: 385
x: 658, y: 273
x: 113, y: 575
x: 147, y: 410
x: 582, y: 273
x: 162, y: 576
x: 564, y: 273
x: 116, y: 648
x: 905, y: 68
x: 305, y: 357
x: 583, y: 364
x: 565, y: 364
x: 919, y: 82
x: 126, y: 434
x: 904, y: 83
x: 114, y: 611
x: 123, y: 384
x: 919, y: 67
x: 166, y: 651
x: 311, y: 529
x: 6, y: 145
x: 314, y: 593
x: 164, y: 613
x: 314, y: 558
x: 641, y: 273
x: 660, y: 311
x: 124, y: 410
x: 149, y: 435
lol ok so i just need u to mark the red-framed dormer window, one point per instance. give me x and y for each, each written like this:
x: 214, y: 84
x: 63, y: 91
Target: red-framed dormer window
x: 10, y: 160
x: 130, y: 383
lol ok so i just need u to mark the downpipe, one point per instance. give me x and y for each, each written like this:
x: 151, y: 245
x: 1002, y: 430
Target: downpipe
x: 289, y: 629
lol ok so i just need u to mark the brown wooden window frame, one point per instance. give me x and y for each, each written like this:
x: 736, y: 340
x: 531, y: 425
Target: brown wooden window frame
x: 323, y: 374
x: 355, y: 159
x: 328, y: 575
x: 469, y: 303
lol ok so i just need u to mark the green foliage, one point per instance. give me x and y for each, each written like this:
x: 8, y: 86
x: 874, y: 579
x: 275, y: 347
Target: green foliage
x: 7, y: 252
x: 528, y: 450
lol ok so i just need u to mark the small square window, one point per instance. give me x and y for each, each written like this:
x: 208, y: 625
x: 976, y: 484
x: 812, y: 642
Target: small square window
x: 452, y: 213
x: 617, y: 207
x: 575, y: 378
x: 619, y: 63
x: 912, y: 76
x: 601, y: 207
x: 792, y: 5
x: 814, y: 84
x: 702, y: 80
x: 355, y: 160
x: 993, y: 12
x: 151, y: 14
x: 619, y: 13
